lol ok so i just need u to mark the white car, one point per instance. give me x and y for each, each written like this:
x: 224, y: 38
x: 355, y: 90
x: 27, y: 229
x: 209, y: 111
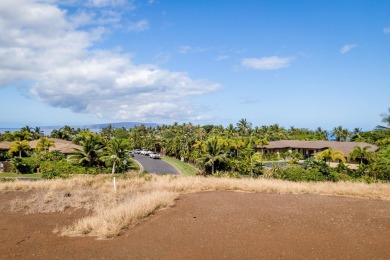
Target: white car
x: 154, y: 155
x: 145, y: 152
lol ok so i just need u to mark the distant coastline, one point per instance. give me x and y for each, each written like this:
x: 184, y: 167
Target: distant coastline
x: 45, y: 131
x: 93, y: 127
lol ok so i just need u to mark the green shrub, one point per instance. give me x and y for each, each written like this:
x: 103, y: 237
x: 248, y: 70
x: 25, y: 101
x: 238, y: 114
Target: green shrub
x: 57, y: 169
x: 336, y: 176
x: 63, y: 169
x: 297, y: 173
x: 274, y: 172
x: 52, y: 156
x: 227, y: 174
x: 2, y: 179
x: 381, y: 166
x: 271, y: 157
x: 4, y: 156
x: 367, y: 179
x: 24, y: 165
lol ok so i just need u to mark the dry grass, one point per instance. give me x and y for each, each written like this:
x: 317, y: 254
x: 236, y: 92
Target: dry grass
x: 110, y: 221
x: 139, y: 196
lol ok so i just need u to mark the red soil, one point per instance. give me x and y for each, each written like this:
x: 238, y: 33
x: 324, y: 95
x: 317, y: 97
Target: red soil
x: 213, y: 225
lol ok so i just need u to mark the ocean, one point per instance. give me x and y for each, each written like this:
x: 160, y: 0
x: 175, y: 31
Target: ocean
x: 45, y: 131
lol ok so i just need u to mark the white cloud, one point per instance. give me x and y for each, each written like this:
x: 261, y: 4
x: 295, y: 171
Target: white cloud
x: 348, y: 47
x: 222, y: 57
x: 386, y: 30
x: 127, y: 4
x: 266, y: 63
x: 109, y: 3
x: 184, y: 49
x: 139, y: 26
x: 81, y: 18
x: 96, y: 12
x: 40, y: 44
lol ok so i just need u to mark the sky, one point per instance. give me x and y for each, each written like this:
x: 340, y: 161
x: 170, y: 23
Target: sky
x: 294, y: 63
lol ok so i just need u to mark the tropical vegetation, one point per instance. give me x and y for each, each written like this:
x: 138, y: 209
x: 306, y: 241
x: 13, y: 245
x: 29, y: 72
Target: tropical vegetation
x: 213, y: 149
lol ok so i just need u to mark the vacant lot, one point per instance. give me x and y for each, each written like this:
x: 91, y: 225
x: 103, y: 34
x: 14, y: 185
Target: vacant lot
x: 276, y: 221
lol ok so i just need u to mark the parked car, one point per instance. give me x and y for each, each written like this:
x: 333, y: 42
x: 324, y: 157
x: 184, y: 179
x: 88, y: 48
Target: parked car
x: 131, y: 154
x: 137, y: 151
x: 154, y: 155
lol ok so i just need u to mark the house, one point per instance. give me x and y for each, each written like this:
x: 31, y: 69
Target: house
x: 312, y: 148
x: 4, y: 146
x: 61, y: 146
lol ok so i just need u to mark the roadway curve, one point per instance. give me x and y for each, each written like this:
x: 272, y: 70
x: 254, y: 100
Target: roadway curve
x: 155, y: 165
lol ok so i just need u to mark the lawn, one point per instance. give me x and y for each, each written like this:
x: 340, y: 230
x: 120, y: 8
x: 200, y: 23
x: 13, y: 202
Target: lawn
x: 15, y: 175
x: 185, y: 168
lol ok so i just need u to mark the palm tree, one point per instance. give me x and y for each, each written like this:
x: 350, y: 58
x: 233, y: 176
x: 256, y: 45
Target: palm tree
x: 330, y: 155
x: 90, y: 153
x: 276, y: 132
x: 212, y: 152
x: 38, y: 132
x: 108, y: 132
x: 236, y: 144
x: 356, y: 134
x: 117, y: 152
x: 322, y: 134
x: 22, y: 135
x: 19, y: 146
x: 386, y: 120
x: 27, y: 129
x: 230, y: 130
x: 243, y: 126
x: 360, y: 153
x: 262, y: 142
x: 8, y: 136
x: 45, y: 143
x: 340, y: 134
x: 64, y: 133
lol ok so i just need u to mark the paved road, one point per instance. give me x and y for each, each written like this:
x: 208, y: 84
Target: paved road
x: 155, y: 165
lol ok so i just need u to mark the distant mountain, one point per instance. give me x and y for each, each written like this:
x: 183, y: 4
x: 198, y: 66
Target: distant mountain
x: 101, y: 126
x: 119, y: 125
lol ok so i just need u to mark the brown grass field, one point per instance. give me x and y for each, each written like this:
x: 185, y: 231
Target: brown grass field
x: 84, y: 217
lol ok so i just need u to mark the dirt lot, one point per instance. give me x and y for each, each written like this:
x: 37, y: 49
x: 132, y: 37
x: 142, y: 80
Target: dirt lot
x: 214, y: 225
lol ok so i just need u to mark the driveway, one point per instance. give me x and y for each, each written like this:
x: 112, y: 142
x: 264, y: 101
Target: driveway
x: 155, y: 165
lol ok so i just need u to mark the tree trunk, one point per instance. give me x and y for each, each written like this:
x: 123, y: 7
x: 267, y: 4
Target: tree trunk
x: 113, y: 168
x: 251, y: 165
x: 212, y: 169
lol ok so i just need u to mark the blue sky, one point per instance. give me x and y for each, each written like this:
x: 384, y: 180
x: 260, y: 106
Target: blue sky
x: 295, y: 63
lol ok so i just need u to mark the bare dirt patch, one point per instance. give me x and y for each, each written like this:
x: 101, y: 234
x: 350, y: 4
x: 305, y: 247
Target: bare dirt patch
x: 213, y: 225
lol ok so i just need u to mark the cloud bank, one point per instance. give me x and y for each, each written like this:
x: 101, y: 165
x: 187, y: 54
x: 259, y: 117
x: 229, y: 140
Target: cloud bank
x: 42, y: 44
